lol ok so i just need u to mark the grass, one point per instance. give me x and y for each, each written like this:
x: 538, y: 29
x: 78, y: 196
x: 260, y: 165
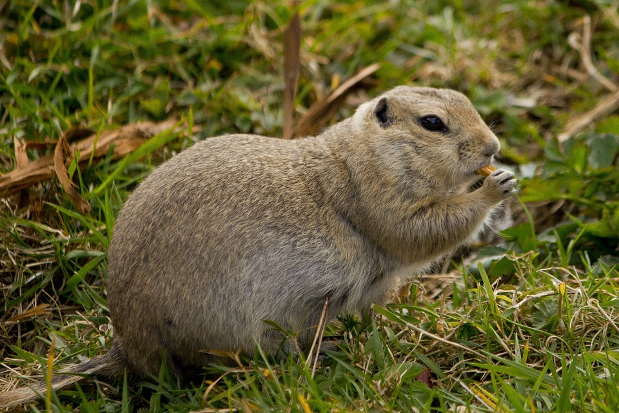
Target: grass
x: 532, y: 328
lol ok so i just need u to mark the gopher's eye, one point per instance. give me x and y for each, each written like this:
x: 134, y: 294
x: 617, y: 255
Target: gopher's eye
x: 433, y: 123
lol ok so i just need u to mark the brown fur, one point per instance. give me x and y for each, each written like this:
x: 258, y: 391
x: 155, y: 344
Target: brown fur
x: 240, y: 229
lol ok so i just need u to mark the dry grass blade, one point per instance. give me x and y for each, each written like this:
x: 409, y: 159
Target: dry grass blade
x: 595, y: 304
x: 303, y: 403
x: 292, y: 46
x: 320, y: 330
x: 123, y: 141
x: 212, y: 386
x: 422, y: 332
x: 320, y: 112
x: 606, y: 106
x: 246, y: 406
x: 41, y: 309
x: 611, y: 14
x: 49, y: 374
x: 584, y: 48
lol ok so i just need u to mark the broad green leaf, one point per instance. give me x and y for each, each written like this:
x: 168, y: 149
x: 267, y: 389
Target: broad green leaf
x: 603, y: 150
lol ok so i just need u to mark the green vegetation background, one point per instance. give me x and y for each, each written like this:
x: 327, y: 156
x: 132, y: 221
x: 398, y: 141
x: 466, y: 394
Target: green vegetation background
x: 533, y: 328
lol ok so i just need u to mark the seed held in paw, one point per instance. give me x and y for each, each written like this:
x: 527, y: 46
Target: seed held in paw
x: 485, y: 170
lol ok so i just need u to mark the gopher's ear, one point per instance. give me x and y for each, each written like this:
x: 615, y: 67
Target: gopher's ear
x: 381, y: 111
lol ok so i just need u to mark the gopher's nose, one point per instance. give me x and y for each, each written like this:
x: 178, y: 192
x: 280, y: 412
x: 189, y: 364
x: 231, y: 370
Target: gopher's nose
x: 492, y: 147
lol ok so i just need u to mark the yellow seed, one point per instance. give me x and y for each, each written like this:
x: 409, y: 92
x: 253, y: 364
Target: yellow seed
x: 485, y: 170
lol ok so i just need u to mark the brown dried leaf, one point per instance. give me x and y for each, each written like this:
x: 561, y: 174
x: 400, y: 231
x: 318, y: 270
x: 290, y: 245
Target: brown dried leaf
x: 292, y: 46
x: 75, y: 133
x: 123, y: 140
x: 21, y: 157
x: 320, y: 112
x: 63, y: 155
x: 425, y: 377
x: 40, y: 145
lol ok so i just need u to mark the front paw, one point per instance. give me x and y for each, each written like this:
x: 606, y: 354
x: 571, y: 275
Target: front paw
x: 500, y: 185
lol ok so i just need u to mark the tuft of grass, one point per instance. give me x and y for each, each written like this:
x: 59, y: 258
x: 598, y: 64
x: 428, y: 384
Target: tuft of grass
x: 527, y: 325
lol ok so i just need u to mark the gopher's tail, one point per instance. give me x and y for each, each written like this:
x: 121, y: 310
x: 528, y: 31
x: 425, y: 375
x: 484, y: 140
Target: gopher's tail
x: 110, y: 364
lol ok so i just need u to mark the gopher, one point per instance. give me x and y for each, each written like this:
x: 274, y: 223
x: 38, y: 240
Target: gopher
x: 240, y: 229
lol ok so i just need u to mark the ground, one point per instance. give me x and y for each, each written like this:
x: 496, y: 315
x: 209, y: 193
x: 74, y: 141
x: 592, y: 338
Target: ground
x: 526, y: 323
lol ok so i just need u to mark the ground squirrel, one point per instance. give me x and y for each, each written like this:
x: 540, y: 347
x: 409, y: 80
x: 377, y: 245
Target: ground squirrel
x: 240, y: 229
